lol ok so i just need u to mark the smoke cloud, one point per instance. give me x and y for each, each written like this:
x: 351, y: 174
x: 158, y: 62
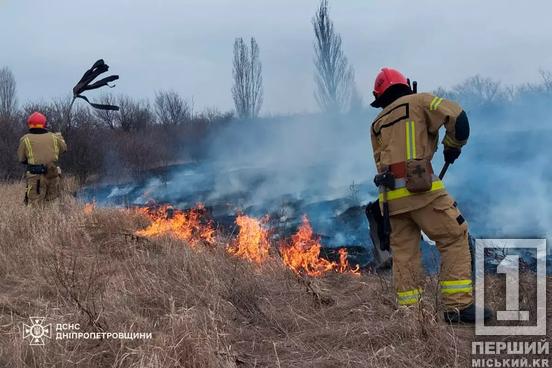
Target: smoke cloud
x: 322, y: 166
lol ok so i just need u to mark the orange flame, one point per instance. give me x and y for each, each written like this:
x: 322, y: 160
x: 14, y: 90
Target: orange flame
x: 303, y: 254
x: 190, y: 225
x: 343, y: 266
x: 89, y: 208
x: 252, y: 243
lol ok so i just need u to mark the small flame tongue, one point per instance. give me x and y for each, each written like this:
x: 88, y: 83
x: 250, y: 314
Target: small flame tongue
x: 191, y: 226
x: 302, y: 255
x: 89, y: 208
x: 252, y: 243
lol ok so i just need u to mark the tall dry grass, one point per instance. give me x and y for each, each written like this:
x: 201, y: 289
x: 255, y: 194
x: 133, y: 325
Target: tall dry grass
x: 203, y: 308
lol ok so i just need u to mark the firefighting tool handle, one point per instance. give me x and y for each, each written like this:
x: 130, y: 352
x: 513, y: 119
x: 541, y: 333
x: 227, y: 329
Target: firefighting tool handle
x: 444, y: 170
x: 385, y: 244
x: 386, y: 181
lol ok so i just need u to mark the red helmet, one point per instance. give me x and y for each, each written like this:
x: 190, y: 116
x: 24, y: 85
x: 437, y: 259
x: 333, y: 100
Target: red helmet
x: 386, y: 78
x: 37, y: 120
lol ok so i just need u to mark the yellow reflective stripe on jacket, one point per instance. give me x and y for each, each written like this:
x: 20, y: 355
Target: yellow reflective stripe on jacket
x: 56, y: 147
x: 456, y: 286
x: 435, y: 103
x: 410, y: 140
x: 403, y: 192
x: 432, y: 102
x: 409, y: 297
x: 30, y: 155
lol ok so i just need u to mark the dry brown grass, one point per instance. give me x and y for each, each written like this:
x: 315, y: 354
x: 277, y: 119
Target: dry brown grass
x: 203, y: 308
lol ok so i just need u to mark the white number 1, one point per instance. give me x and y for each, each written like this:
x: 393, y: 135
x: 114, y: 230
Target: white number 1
x: 510, y: 266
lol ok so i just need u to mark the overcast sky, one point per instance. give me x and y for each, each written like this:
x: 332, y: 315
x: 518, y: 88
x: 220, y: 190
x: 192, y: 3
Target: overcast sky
x: 186, y: 45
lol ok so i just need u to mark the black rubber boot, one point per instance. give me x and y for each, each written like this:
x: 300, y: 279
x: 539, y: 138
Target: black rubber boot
x: 466, y: 315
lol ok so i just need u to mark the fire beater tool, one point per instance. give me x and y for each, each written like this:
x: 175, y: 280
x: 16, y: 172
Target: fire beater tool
x: 87, y: 83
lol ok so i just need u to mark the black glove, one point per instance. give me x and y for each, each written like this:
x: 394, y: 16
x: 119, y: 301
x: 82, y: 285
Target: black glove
x: 386, y: 179
x: 451, y: 154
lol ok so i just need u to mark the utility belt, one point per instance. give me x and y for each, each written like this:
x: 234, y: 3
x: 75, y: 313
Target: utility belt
x: 412, y: 177
x: 37, y: 169
x: 401, y: 191
x: 50, y: 170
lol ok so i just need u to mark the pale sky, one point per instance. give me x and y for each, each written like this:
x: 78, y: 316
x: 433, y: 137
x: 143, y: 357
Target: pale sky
x: 186, y: 45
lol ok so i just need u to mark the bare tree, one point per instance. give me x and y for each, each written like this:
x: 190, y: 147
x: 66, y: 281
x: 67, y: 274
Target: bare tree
x: 8, y: 99
x: 334, y: 76
x: 484, y: 89
x: 171, y: 109
x: 133, y: 115
x: 248, y: 80
x: 477, y: 92
x: 107, y: 118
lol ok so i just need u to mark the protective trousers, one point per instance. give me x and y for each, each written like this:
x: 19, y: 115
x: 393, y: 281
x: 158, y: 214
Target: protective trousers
x: 444, y: 224
x: 40, y: 188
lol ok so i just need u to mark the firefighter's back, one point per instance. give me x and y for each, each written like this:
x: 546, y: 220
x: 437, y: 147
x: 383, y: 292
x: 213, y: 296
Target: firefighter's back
x: 39, y: 150
x: 42, y: 148
x: 404, y: 143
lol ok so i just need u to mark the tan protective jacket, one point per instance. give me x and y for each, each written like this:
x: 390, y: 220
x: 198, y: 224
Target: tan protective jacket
x: 41, y: 149
x: 409, y: 129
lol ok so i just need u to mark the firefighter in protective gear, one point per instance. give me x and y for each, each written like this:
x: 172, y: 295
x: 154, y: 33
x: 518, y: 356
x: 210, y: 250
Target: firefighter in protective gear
x: 404, y: 139
x: 39, y: 150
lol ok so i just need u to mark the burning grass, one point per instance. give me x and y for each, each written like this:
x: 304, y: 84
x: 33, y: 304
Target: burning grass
x: 301, y: 254
x: 204, y: 307
x: 192, y: 226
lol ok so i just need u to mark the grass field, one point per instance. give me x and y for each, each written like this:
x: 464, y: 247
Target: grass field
x: 203, y: 307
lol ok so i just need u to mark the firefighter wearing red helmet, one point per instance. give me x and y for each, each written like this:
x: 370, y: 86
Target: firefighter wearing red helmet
x: 404, y: 139
x: 39, y: 150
